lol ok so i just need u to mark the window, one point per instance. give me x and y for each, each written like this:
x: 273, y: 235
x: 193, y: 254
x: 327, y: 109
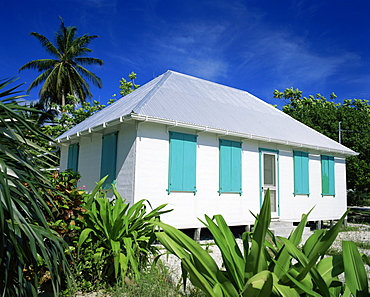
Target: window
x: 230, y: 166
x: 301, y: 177
x: 73, y: 151
x: 109, y: 158
x: 182, y: 162
x: 327, y: 175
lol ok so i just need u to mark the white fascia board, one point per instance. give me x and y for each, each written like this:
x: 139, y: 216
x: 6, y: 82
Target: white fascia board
x: 238, y: 134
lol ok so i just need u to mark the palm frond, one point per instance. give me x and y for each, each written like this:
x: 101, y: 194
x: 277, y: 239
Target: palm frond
x: 10, y: 92
x: 24, y: 231
x: 47, y: 45
x: 90, y: 76
x: 40, y: 64
x: 88, y: 61
x: 40, y: 79
x: 79, y: 45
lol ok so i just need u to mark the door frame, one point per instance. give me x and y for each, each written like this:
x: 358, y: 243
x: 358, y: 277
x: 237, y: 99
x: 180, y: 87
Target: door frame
x: 275, y: 152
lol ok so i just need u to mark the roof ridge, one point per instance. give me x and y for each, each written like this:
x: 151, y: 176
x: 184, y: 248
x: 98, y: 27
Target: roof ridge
x: 152, y: 92
x: 211, y: 82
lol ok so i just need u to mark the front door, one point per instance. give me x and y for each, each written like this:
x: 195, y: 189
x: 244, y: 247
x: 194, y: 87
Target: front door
x: 269, y: 177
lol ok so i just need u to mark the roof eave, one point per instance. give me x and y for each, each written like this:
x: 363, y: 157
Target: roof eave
x: 96, y: 128
x: 174, y: 123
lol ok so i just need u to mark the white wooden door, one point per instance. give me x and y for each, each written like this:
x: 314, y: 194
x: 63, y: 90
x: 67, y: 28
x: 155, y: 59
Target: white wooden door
x: 270, y: 179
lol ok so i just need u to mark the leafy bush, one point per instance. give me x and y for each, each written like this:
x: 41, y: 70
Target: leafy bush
x: 66, y: 205
x: 358, y: 198
x: 117, y: 240
x: 268, y: 266
x: 63, y: 212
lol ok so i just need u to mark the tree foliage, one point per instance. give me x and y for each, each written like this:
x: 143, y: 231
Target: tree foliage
x: 71, y: 115
x: 128, y: 86
x: 64, y: 74
x: 324, y: 116
x: 77, y: 111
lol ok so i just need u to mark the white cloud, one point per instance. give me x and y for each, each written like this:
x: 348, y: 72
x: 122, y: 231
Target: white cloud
x: 291, y: 60
x: 196, y: 48
x: 210, y: 69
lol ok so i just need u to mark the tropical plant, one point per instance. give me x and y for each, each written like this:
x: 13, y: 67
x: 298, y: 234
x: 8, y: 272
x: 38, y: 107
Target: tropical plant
x: 267, y: 265
x: 25, y: 237
x: 65, y: 73
x: 121, y: 235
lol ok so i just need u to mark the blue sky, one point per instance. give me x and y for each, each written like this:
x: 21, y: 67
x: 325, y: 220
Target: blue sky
x: 257, y: 46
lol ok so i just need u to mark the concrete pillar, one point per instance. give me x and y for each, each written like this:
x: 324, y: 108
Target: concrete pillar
x: 197, y: 234
x: 318, y: 225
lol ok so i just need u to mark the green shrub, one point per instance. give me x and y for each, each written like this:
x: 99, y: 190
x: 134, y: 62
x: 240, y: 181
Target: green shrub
x: 63, y: 212
x: 66, y: 206
x: 358, y: 198
x: 117, y: 240
x: 268, y: 266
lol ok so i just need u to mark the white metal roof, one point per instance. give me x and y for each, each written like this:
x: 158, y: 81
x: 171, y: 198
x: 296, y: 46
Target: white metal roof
x: 192, y: 102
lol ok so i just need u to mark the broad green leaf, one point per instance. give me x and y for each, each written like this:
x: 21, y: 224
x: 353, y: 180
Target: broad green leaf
x: 301, y: 286
x: 283, y: 257
x: 232, y: 257
x: 354, y: 270
x: 319, y: 248
x: 259, y: 285
x: 330, y: 267
x: 83, y: 236
x: 308, y: 267
x: 256, y: 260
x: 95, y: 191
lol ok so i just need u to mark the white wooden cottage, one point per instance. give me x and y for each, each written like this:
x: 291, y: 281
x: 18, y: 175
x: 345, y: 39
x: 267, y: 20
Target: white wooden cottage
x: 205, y: 148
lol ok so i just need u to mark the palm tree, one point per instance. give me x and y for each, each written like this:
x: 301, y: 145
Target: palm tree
x: 24, y: 232
x: 65, y: 73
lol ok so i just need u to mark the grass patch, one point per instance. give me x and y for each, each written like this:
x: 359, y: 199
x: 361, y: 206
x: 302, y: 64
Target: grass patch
x: 334, y: 252
x: 156, y: 283
x: 338, y: 251
x: 363, y: 245
x: 349, y: 228
x: 359, y: 216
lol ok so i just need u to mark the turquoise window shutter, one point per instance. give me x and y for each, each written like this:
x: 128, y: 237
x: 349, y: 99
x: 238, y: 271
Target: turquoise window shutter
x: 73, y: 151
x: 189, y: 161
x: 332, y: 176
x: 109, y: 158
x: 301, y: 173
x: 225, y: 166
x: 230, y: 166
x: 327, y: 175
x: 182, y: 163
x: 176, y: 161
